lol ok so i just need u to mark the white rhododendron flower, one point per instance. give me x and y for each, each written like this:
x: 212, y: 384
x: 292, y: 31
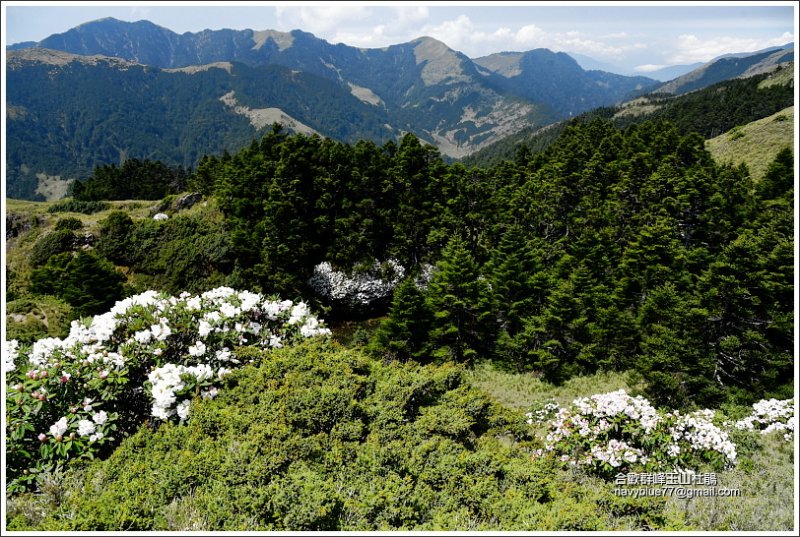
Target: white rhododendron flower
x: 10, y: 354
x: 198, y: 349
x: 615, y: 430
x: 771, y: 415
x: 183, y: 410
x: 59, y: 428
x: 185, y: 344
x: 85, y: 427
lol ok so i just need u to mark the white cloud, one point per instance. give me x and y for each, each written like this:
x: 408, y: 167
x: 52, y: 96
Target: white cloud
x: 462, y: 34
x: 321, y: 19
x: 406, y: 15
x: 649, y: 67
x: 692, y: 49
x: 140, y: 12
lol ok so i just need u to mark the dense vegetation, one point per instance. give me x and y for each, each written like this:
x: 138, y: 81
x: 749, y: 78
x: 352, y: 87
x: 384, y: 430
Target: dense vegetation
x: 172, y: 117
x: 322, y: 438
x: 134, y: 179
x: 618, y: 250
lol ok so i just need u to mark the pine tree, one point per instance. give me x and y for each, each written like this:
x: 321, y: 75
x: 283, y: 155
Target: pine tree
x: 464, y: 326
x: 405, y: 334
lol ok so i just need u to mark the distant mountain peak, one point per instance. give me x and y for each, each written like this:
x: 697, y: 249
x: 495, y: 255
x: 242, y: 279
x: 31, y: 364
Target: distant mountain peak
x: 282, y: 40
x: 442, y: 64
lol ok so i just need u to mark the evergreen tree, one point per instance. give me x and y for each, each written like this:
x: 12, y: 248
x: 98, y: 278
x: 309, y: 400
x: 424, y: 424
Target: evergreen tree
x: 405, y: 333
x: 464, y: 326
x: 88, y: 283
x: 779, y: 179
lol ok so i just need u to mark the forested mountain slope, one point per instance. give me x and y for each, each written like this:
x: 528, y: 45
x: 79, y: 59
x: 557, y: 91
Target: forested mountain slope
x: 710, y: 111
x: 306, y: 83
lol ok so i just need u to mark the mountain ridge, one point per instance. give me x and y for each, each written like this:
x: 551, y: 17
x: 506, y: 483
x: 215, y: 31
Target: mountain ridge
x: 458, y: 104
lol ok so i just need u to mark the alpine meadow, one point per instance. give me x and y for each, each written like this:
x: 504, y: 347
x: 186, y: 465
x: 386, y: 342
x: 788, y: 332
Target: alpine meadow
x: 257, y: 281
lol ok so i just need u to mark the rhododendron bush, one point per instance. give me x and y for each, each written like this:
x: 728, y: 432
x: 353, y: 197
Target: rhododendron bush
x: 771, y: 415
x: 612, y: 432
x: 148, y: 356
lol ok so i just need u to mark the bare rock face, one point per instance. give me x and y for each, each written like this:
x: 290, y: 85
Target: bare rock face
x: 187, y: 201
x: 357, y: 291
x: 17, y: 224
x: 85, y: 240
x: 172, y: 204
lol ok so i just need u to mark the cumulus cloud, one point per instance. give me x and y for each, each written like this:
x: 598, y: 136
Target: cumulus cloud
x: 462, y: 34
x: 691, y: 48
x: 398, y: 24
x: 321, y: 19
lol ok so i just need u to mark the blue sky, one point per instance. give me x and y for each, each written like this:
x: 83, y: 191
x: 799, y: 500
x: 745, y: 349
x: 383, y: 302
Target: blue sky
x: 637, y: 37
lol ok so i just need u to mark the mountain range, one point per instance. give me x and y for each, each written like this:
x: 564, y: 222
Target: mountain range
x: 109, y: 90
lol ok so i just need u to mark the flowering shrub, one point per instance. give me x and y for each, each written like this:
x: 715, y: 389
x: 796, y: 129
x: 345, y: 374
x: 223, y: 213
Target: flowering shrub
x: 614, y: 431
x: 771, y: 415
x: 360, y: 290
x: 543, y: 412
x: 10, y: 353
x: 150, y: 354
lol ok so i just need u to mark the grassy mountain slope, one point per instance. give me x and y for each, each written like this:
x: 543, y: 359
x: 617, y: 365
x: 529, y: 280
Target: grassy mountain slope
x: 725, y: 69
x: 755, y: 144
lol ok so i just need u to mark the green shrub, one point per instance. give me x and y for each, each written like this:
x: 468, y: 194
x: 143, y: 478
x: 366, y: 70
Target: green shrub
x: 29, y: 319
x: 735, y: 133
x: 71, y: 223
x: 114, y: 242
x: 87, y: 282
x: 77, y: 206
x: 319, y: 437
x: 55, y: 242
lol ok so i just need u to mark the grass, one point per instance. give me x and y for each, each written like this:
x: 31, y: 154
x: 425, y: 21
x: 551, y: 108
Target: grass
x: 765, y: 477
x: 783, y: 76
x: 522, y: 390
x: 755, y: 144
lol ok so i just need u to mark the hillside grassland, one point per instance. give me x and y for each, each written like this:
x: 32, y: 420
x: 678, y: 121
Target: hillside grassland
x: 755, y: 144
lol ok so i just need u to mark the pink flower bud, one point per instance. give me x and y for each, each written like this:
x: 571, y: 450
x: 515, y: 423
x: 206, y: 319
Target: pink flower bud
x: 42, y: 437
